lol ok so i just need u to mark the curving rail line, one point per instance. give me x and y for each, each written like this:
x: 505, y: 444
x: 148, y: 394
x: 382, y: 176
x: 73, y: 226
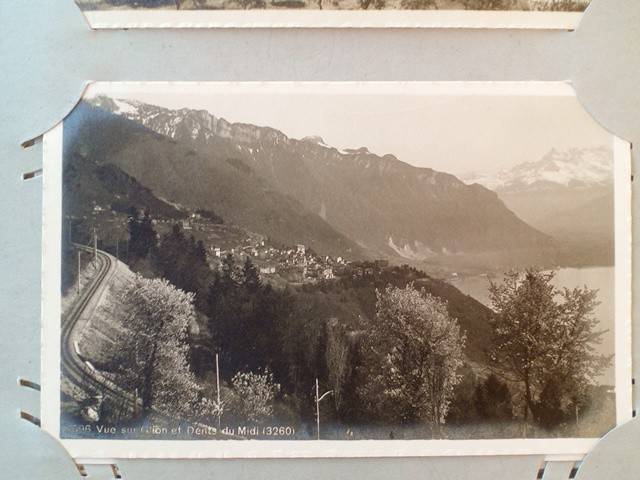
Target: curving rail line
x: 79, y: 371
x: 74, y: 367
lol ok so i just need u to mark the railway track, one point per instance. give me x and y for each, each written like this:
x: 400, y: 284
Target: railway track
x: 76, y: 369
x: 79, y: 371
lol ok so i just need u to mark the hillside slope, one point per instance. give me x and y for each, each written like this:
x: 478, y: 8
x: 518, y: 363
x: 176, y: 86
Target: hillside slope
x: 180, y: 174
x: 388, y: 207
x: 567, y: 195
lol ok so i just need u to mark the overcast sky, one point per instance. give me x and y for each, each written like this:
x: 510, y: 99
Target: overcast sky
x: 456, y: 134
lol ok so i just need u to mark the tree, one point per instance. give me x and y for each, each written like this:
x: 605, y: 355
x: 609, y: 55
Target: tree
x: 228, y: 272
x: 377, y: 4
x: 183, y: 262
x: 142, y: 236
x: 489, y: 4
x: 419, y: 4
x: 339, y: 358
x: 544, y: 337
x: 549, y: 412
x: 492, y: 399
x: 243, y: 317
x: 560, y: 5
x: 462, y: 410
x: 412, y: 350
x: 251, y: 277
x: 254, y: 395
x: 251, y: 4
x: 211, y: 409
x: 154, y: 346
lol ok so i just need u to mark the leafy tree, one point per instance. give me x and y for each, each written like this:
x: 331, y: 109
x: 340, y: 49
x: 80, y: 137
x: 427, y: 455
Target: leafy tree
x: 211, y: 409
x: 242, y: 317
x: 183, y: 262
x: 412, y: 350
x: 419, y: 4
x: 377, y: 4
x: 489, y: 4
x: 340, y: 355
x: 560, y: 5
x: 229, y: 276
x: 251, y: 277
x: 154, y: 346
x: 462, y: 409
x: 142, y: 236
x: 543, y: 334
x: 300, y: 337
x: 548, y: 410
x: 200, y: 252
x: 211, y: 216
x: 254, y: 395
x: 492, y: 399
x: 252, y: 4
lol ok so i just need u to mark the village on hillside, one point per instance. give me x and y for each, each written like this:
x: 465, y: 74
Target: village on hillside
x: 277, y: 264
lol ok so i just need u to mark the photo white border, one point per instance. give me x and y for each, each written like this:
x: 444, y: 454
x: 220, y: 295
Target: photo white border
x: 101, y: 450
x: 274, y: 18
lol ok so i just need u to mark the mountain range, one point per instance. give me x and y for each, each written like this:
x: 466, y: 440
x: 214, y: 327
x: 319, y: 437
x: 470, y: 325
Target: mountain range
x: 573, y: 168
x: 567, y: 195
x: 349, y: 202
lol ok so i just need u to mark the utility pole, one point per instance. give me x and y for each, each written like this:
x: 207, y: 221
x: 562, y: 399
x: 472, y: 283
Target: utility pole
x: 218, y: 389
x: 78, y: 271
x: 95, y: 244
x: 116, y: 249
x: 318, y: 398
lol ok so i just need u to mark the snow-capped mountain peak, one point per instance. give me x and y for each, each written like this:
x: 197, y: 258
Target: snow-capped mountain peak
x: 184, y: 123
x: 356, y: 151
x: 575, y: 167
x: 316, y: 140
x: 126, y: 108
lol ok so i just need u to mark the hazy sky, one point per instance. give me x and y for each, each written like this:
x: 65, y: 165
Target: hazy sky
x: 456, y: 134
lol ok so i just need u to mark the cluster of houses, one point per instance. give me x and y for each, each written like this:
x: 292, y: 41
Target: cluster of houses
x: 296, y: 264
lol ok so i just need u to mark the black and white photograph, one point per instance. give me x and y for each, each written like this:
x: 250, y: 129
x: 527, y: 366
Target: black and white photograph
x: 545, y: 14
x: 505, y: 5
x: 339, y: 262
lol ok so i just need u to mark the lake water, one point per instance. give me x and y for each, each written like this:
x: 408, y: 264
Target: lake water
x: 597, y: 278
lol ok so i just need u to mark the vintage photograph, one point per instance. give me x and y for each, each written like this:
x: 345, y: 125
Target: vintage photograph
x: 523, y: 5
x: 339, y: 261
x: 540, y: 14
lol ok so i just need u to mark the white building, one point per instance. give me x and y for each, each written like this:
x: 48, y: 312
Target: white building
x: 328, y: 274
